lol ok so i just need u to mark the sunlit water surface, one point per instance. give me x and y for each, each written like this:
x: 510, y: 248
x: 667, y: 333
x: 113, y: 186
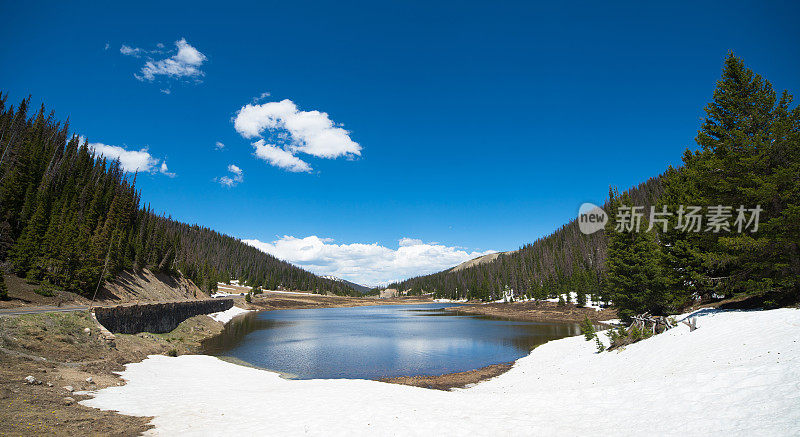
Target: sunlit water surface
x: 378, y: 341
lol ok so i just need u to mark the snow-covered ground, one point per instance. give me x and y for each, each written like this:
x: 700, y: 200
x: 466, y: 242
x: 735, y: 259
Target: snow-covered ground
x: 227, y: 315
x: 738, y: 374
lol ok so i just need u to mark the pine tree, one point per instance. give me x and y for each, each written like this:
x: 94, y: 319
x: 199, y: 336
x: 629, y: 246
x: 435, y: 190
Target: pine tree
x: 3, y: 288
x: 749, y: 156
x: 635, y: 278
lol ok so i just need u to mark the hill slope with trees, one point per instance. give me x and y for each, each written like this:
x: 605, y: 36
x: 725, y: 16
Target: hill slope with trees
x: 69, y: 217
x: 748, y: 157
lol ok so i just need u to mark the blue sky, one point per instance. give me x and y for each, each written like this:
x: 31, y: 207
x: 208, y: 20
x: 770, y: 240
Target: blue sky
x: 460, y: 127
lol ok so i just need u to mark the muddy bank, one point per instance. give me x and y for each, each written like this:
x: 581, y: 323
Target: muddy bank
x: 64, y: 353
x: 536, y: 311
x: 452, y: 380
x: 283, y: 301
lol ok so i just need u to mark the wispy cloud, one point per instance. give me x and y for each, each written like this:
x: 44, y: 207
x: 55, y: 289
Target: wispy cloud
x: 131, y: 51
x: 219, y: 145
x: 165, y: 171
x: 368, y: 264
x: 260, y: 97
x: 185, y: 62
x: 291, y: 132
x: 235, y: 177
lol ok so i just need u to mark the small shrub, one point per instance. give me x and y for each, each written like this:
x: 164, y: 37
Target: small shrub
x: 172, y: 352
x: 618, y: 337
x: 46, y: 289
x: 635, y: 333
x: 248, y: 297
x: 587, y: 328
x: 561, y: 302
x: 600, y: 346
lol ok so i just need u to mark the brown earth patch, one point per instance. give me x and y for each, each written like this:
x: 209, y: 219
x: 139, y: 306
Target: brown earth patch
x: 127, y: 287
x: 452, y: 380
x: 55, y: 349
x: 536, y: 311
x: 281, y: 301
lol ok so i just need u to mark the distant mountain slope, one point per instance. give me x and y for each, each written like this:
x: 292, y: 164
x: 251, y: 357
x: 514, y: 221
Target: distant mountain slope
x: 357, y: 287
x: 479, y: 260
x: 73, y: 219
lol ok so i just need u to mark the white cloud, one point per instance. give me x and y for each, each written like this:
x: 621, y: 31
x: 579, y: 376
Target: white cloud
x: 219, y: 145
x: 232, y: 180
x: 165, y: 171
x: 131, y: 51
x: 184, y: 63
x: 280, y: 157
x: 368, y: 264
x: 293, y: 131
x: 130, y: 160
x: 234, y: 169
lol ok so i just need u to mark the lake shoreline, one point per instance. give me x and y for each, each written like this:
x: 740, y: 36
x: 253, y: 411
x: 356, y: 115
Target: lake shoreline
x: 45, y: 347
x: 606, y: 393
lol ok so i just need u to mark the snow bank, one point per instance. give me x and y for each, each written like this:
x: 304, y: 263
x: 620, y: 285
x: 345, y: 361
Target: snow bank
x: 573, y: 297
x: 227, y: 315
x: 737, y: 374
x: 289, y: 292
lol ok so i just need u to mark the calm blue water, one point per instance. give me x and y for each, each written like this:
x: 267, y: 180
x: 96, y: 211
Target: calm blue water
x: 378, y: 341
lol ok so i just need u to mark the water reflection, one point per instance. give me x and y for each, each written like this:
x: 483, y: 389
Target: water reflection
x: 235, y: 332
x: 381, y: 341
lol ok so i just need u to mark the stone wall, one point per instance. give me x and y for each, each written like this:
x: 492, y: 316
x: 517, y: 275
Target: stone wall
x: 156, y: 317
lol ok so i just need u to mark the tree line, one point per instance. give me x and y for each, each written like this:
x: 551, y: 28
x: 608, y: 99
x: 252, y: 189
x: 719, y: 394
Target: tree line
x: 72, y: 218
x: 748, y: 155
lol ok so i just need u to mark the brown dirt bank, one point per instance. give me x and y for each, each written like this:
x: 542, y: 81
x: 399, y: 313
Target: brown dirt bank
x: 452, y: 380
x: 282, y: 301
x: 55, y: 349
x: 127, y: 287
x: 536, y: 311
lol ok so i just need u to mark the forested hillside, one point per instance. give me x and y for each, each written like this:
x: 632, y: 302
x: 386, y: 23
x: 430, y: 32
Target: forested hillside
x: 564, y: 261
x: 67, y: 216
x: 746, y: 171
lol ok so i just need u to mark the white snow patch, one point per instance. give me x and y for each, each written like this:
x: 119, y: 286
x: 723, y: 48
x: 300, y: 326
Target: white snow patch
x: 224, y: 294
x: 736, y: 375
x: 573, y: 297
x: 288, y: 292
x: 227, y: 315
